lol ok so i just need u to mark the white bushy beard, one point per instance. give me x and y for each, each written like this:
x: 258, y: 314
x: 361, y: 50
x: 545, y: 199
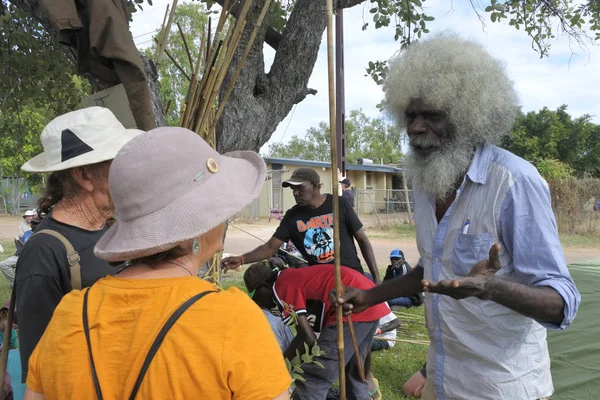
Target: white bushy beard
x: 438, y: 173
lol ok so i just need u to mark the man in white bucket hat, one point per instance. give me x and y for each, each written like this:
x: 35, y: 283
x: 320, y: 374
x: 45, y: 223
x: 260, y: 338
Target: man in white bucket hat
x: 78, y: 149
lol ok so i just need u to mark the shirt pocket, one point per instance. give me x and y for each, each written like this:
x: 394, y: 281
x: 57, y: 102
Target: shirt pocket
x: 469, y: 250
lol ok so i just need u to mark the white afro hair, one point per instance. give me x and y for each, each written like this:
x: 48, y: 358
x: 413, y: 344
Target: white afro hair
x: 457, y: 76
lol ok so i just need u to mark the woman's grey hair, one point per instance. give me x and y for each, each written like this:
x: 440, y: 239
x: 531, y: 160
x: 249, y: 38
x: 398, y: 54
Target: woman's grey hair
x: 457, y: 76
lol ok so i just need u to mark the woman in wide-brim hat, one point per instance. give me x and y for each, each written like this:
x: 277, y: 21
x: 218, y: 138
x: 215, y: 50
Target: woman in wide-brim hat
x: 156, y: 330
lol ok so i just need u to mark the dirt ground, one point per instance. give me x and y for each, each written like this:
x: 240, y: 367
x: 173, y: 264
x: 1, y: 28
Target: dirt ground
x: 238, y: 242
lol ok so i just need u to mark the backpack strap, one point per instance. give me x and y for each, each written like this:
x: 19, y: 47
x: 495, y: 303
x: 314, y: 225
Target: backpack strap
x: 153, y: 349
x: 72, y: 257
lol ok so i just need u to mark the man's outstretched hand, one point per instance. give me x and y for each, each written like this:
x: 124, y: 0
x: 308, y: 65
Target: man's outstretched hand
x: 352, y: 301
x: 477, y: 283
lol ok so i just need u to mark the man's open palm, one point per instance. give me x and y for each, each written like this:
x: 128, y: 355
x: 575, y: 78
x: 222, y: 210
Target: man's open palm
x: 475, y: 284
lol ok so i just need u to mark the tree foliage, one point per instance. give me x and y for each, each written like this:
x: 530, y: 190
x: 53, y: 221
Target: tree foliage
x: 37, y: 85
x: 366, y: 137
x: 172, y: 83
x: 558, y: 144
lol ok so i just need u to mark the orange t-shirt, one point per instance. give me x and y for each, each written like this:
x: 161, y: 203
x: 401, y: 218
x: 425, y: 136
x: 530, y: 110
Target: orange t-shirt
x: 222, y: 347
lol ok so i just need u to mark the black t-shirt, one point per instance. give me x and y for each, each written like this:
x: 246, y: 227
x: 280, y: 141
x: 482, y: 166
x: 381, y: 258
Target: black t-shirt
x: 311, y: 231
x: 348, y: 195
x: 43, y: 277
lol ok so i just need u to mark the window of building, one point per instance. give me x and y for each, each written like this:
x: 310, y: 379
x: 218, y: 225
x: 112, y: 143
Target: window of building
x: 369, y: 180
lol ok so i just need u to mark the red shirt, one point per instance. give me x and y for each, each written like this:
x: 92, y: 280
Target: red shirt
x: 306, y: 291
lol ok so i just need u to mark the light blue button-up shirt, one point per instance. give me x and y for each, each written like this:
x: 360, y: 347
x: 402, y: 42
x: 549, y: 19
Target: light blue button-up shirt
x: 481, y: 349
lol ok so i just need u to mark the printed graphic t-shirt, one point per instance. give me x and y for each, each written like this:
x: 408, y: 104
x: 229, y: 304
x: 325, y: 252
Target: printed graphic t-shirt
x: 305, y: 291
x: 311, y: 231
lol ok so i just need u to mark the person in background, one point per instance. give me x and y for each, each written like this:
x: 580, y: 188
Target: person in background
x: 347, y: 191
x: 399, y: 267
x: 78, y: 149
x: 301, y: 295
x: 491, y: 261
x: 24, y: 226
x: 7, y: 266
x: 309, y: 225
x: 219, y: 344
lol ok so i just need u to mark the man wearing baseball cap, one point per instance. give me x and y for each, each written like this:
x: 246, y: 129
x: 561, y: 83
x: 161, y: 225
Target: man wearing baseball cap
x: 347, y: 191
x: 309, y: 225
x: 78, y: 149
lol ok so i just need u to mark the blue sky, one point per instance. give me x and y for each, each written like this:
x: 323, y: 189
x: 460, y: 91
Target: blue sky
x: 569, y: 76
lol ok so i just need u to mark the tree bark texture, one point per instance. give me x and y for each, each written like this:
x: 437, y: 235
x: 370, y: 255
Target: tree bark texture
x: 260, y: 101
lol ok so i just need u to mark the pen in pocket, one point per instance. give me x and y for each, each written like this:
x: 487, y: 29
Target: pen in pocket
x: 466, y: 226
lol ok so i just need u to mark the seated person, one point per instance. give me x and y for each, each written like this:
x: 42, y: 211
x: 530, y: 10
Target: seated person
x: 386, y: 330
x: 282, y: 332
x: 399, y: 267
x: 302, y: 296
x: 7, y: 266
x: 415, y: 384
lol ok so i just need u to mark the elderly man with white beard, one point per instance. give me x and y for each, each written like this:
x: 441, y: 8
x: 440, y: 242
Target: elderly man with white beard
x: 491, y: 262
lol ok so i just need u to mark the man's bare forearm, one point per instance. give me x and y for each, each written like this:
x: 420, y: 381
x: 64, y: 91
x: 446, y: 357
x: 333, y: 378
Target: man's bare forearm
x: 258, y: 254
x: 408, y: 285
x: 542, y: 303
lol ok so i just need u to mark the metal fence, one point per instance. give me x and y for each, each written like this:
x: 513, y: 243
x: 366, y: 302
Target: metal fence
x: 379, y: 207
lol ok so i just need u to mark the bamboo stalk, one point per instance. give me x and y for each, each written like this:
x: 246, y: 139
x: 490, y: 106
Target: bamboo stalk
x: 187, y: 50
x: 423, y: 342
x: 162, y: 30
x: 208, y: 46
x: 168, y: 107
x: 336, y: 201
x: 165, y: 37
x: 361, y: 371
x: 175, y: 62
x: 243, y: 59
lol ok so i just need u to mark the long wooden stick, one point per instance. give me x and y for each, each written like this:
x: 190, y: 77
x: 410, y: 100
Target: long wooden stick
x: 336, y: 201
x: 187, y: 49
x: 361, y: 371
x: 7, y: 335
x: 175, y: 63
x: 423, y: 342
x: 164, y: 38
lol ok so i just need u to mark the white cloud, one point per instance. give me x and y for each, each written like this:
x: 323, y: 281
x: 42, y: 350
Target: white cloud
x: 562, y: 78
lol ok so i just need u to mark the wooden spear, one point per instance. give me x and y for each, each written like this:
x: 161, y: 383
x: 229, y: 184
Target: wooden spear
x: 336, y: 200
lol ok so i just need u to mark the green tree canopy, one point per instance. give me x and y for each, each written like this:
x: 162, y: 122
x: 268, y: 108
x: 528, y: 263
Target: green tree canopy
x: 555, y: 135
x: 172, y: 83
x: 366, y: 137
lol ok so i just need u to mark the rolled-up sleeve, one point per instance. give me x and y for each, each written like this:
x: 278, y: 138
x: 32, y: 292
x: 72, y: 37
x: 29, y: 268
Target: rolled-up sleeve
x: 530, y: 235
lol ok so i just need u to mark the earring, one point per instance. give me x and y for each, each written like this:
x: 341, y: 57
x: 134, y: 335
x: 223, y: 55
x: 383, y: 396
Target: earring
x: 195, y: 247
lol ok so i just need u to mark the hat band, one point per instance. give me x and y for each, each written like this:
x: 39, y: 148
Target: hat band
x: 72, y: 146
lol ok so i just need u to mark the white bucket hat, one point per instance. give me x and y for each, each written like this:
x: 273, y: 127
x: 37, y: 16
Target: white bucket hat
x: 83, y: 137
x: 169, y: 186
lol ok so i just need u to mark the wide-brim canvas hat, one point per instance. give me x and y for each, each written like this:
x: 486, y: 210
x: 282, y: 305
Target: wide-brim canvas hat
x: 169, y: 186
x: 83, y: 137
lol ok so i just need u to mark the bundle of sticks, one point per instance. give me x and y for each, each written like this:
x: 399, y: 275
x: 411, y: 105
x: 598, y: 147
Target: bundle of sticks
x: 207, y: 96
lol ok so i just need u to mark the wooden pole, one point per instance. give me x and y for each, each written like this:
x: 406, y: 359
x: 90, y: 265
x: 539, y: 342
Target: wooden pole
x: 7, y: 334
x: 336, y: 200
x: 164, y: 38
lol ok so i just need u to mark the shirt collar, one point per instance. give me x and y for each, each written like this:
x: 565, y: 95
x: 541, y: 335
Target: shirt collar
x: 477, y: 172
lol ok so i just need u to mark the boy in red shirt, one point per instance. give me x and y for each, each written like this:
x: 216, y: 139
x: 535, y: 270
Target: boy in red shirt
x: 303, y: 294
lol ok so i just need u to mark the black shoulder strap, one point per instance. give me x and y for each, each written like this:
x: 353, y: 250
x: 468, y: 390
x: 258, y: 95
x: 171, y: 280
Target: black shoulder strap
x: 153, y: 349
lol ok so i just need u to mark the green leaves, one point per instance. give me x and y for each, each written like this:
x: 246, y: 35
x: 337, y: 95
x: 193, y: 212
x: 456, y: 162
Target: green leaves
x: 365, y: 137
